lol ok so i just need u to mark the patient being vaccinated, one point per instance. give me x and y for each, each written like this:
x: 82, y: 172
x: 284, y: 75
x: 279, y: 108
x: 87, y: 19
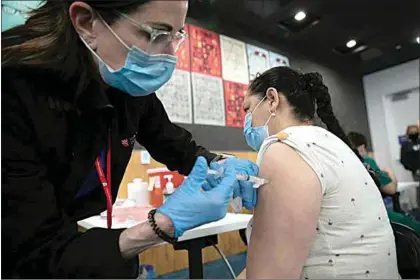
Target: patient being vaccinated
x: 320, y: 215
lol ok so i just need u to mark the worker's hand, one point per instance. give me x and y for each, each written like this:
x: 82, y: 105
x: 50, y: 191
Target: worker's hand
x: 189, y: 206
x: 242, y: 189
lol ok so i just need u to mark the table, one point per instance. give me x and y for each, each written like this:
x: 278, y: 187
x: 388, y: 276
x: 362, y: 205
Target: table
x: 402, y: 186
x: 193, y: 240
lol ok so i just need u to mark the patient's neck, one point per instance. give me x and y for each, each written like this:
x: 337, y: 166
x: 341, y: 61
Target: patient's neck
x: 279, y: 123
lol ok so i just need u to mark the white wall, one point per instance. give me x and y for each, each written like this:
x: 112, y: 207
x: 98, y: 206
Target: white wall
x: 377, y: 86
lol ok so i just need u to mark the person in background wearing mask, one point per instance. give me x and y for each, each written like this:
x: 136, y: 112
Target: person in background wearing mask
x: 78, y: 90
x: 320, y: 215
x: 410, y: 152
x: 388, y: 182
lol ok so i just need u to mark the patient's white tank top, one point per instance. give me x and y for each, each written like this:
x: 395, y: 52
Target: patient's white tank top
x: 355, y: 238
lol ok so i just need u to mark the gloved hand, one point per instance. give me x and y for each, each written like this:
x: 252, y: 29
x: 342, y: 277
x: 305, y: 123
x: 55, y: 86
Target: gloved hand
x: 189, y: 207
x: 241, y: 188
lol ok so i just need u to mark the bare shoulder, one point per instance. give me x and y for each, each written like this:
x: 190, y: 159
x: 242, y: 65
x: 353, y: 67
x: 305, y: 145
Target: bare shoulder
x: 285, y: 217
x: 282, y: 163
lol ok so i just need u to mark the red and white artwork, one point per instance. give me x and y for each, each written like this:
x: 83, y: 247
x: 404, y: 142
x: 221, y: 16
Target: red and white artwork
x: 234, y: 60
x: 234, y: 99
x: 183, y: 54
x: 176, y: 97
x: 208, y: 99
x: 257, y: 61
x: 277, y: 60
x: 205, y: 51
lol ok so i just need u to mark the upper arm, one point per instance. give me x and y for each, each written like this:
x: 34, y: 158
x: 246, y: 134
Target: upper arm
x: 286, y: 215
x: 167, y: 142
x: 388, y: 182
x: 37, y: 236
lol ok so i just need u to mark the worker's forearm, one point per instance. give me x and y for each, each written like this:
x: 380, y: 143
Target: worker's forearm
x: 141, y: 237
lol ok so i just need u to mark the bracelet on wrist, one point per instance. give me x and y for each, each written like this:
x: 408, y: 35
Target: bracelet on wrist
x: 160, y: 233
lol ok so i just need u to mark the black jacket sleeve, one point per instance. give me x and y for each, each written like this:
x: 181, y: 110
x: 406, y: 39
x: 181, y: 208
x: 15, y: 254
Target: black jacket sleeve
x: 167, y: 142
x: 38, y: 239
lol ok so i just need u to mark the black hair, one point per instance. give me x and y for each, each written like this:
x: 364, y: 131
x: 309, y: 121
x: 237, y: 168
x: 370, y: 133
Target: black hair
x: 357, y: 139
x: 307, y: 94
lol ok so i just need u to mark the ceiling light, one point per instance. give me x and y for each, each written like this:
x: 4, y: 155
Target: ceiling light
x: 300, y: 16
x: 351, y: 44
x: 418, y: 40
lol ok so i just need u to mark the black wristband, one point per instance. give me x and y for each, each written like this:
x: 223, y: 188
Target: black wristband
x: 162, y: 235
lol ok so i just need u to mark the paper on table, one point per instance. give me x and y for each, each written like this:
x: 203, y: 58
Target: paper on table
x: 176, y: 97
x: 234, y: 60
x: 209, y: 106
x: 257, y: 61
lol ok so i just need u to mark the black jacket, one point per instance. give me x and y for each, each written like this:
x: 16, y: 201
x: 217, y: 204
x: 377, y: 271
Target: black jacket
x: 49, y: 145
x: 410, y: 155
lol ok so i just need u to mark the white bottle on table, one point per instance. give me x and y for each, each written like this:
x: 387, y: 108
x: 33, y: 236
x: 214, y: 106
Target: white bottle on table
x: 137, y: 192
x: 169, y: 187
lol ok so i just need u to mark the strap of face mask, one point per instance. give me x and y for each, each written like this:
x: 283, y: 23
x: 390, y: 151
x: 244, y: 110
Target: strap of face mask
x: 271, y: 114
x: 89, y: 48
x: 258, y: 104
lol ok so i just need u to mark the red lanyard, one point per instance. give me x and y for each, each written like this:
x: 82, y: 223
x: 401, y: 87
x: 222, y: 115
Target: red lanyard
x: 106, y: 181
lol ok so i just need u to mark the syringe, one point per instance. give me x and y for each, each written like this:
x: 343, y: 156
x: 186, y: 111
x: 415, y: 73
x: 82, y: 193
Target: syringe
x: 242, y: 177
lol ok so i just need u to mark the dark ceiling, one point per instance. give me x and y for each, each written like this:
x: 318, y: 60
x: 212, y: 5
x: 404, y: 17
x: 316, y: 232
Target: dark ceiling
x: 387, y: 28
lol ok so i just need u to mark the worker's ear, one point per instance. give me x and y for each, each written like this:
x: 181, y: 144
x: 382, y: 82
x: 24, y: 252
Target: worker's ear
x: 83, y: 18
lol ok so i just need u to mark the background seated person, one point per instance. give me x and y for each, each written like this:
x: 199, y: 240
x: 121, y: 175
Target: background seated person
x: 386, y: 177
x: 388, y: 182
x: 320, y: 215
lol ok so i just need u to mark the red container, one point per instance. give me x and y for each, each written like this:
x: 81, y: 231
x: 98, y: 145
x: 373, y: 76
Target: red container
x: 156, y: 196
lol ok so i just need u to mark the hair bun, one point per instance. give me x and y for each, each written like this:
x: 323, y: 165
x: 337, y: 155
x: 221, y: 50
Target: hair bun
x: 313, y: 79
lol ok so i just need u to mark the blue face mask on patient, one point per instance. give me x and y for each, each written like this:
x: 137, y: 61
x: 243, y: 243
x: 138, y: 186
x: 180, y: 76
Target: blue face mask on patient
x: 255, y: 136
x: 142, y: 73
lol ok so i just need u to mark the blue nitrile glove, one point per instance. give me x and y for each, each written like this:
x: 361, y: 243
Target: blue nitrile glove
x: 241, y: 188
x: 189, y: 206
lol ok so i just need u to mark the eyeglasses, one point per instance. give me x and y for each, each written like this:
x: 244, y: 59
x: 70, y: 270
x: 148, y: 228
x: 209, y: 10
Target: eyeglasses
x: 159, y: 39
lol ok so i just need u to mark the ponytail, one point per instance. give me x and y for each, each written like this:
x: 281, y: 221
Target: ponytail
x: 325, y: 112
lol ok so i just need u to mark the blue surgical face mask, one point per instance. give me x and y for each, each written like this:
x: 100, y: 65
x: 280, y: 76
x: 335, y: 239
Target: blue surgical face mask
x: 142, y: 73
x: 255, y: 136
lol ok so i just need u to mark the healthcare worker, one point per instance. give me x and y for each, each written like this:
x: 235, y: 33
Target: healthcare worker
x: 78, y: 90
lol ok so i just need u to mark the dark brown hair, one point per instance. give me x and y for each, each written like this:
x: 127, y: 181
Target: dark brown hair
x: 357, y: 139
x: 48, y: 39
